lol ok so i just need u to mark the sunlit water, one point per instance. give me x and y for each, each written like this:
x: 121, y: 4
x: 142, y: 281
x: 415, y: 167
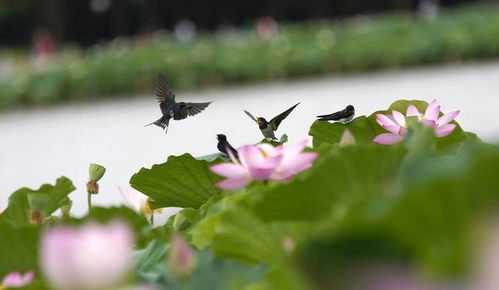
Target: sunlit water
x: 37, y: 146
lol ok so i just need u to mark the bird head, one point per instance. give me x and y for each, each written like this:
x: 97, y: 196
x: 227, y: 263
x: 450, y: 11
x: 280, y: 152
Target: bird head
x: 261, y: 121
x: 350, y: 108
x: 221, y: 137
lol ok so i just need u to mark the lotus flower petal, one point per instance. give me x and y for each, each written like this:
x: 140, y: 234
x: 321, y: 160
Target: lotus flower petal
x: 426, y: 122
x: 445, y: 119
x: 16, y: 279
x: 250, y: 156
x: 92, y: 256
x: 296, y: 165
x: 388, y: 139
x: 384, y: 120
x: 133, y: 198
x: 234, y: 183
x: 269, y: 150
x: 445, y: 130
x: 229, y: 170
x: 399, y: 118
x: 393, y: 129
x: 412, y: 111
x: 432, y: 111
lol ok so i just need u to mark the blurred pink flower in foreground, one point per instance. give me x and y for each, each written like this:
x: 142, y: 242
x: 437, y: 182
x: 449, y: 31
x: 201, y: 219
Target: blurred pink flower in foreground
x: 92, y: 256
x: 181, y: 259
x: 397, y: 126
x: 264, y: 162
x: 16, y: 279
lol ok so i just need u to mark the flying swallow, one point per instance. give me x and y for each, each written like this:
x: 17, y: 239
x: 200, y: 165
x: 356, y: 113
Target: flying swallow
x: 268, y: 128
x: 343, y: 116
x: 171, y: 109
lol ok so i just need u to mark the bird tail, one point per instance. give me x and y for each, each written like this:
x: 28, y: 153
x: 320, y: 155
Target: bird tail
x: 323, y: 117
x: 161, y: 122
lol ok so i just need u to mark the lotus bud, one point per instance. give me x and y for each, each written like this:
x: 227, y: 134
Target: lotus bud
x: 347, y: 139
x: 288, y: 245
x: 181, y: 259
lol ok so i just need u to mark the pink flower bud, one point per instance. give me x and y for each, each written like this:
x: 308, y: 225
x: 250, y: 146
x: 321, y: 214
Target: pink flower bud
x: 181, y: 259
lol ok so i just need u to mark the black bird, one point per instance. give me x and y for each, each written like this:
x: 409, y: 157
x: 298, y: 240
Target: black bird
x: 224, y: 146
x: 268, y: 128
x: 343, y: 116
x: 170, y: 108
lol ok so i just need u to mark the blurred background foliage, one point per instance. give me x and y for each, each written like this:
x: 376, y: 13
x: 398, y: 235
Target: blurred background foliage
x: 103, y: 47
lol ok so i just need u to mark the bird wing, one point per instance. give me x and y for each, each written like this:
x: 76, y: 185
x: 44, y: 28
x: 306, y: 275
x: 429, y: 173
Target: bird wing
x: 276, y: 121
x: 163, y: 91
x: 251, y: 116
x: 196, y: 108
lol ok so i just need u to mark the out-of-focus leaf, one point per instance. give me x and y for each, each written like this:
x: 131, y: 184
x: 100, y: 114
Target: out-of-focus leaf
x: 18, y: 208
x: 211, y: 273
x: 430, y: 222
x: 185, y: 218
x: 204, y: 233
x: 182, y: 181
x: 341, y: 175
x: 283, y: 277
x: 18, y: 248
x: 150, y: 261
x: 241, y: 235
x: 447, y: 200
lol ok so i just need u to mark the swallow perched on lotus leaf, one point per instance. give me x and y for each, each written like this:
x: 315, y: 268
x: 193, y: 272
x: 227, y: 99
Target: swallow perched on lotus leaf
x: 268, y: 127
x: 343, y: 116
x: 225, y: 147
x: 170, y: 108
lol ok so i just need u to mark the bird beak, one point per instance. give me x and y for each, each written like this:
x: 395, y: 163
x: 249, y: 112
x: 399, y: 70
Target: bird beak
x: 217, y: 137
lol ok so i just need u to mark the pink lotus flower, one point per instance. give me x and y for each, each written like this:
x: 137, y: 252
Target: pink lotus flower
x: 431, y: 118
x: 92, y: 256
x: 397, y: 126
x: 264, y: 162
x: 16, y: 279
